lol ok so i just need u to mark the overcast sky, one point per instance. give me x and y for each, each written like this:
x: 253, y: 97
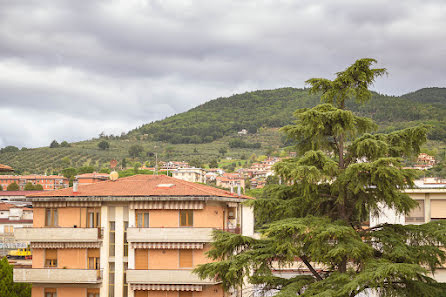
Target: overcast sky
x: 72, y: 69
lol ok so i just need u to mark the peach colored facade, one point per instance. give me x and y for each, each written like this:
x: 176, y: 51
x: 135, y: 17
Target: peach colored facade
x: 143, y: 247
x: 49, y: 183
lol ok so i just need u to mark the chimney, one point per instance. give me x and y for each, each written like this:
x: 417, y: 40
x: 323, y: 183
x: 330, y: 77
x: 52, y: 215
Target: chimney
x: 239, y: 190
x: 75, y: 186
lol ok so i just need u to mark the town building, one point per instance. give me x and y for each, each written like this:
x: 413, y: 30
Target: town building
x: 194, y: 175
x: 48, y: 182
x: 91, y: 178
x: 430, y: 194
x: 230, y: 181
x: 12, y: 217
x: 138, y: 236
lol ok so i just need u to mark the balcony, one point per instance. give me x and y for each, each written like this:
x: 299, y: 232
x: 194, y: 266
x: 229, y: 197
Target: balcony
x: 58, y: 234
x: 166, y: 277
x: 57, y: 276
x: 169, y: 234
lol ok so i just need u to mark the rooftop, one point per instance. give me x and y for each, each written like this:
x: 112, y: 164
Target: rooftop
x: 141, y: 186
x: 5, y: 168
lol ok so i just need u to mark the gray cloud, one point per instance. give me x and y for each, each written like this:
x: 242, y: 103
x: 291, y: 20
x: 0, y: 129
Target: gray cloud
x: 71, y: 69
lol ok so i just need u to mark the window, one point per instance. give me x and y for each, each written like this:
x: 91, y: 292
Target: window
x: 50, y: 293
x: 125, y: 287
x: 126, y: 243
x: 51, y: 217
x: 111, y: 250
x: 142, y: 219
x: 186, y: 218
x: 185, y: 258
x: 111, y: 280
x: 51, y: 258
x: 9, y: 229
x: 93, y: 217
x: 92, y: 292
x: 416, y: 215
x: 93, y: 259
x: 141, y: 259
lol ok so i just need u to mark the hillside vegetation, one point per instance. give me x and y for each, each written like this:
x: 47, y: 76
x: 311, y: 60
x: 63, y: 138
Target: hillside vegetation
x: 202, y: 132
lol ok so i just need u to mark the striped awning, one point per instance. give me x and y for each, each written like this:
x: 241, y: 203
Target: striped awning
x: 166, y: 205
x: 67, y: 204
x: 163, y: 287
x: 65, y: 245
x: 167, y: 245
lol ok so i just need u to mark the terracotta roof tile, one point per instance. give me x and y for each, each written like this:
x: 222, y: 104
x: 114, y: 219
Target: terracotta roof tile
x: 6, y: 206
x: 5, y: 168
x: 141, y: 185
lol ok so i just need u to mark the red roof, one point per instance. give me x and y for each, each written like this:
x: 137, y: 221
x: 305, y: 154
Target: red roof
x: 6, y: 206
x: 17, y: 193
x: 141, y: 185
x: 5, y: 168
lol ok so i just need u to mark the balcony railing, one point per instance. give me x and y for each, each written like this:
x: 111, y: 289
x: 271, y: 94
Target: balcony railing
x: 166, y: 276
x: 56, y: 234
x: 57, y: 276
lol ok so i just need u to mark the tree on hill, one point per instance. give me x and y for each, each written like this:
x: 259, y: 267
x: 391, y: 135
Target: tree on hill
x: 9, y: 288
x: 213, y: 164
x: 223, y: 151
x: 104, y: 145
x: 1, y: 188
x: 196, y: 163
x: 135, y: 150
x: 64, y: 144
x: 343, y: 174
x: 12, y: 187
x: 9, y: 149
x: 54, y: 144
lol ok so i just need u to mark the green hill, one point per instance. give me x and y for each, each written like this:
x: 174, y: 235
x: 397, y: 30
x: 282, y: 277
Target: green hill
x: 200, y: 132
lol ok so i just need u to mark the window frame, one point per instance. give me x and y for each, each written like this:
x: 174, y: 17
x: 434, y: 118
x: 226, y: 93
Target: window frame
x: 188, y: 218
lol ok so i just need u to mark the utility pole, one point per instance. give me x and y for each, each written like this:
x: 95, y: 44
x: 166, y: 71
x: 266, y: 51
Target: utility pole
x: 156, y: 161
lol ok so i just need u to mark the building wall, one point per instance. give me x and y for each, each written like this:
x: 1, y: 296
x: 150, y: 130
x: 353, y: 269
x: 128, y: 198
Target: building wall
x: 39, y: 217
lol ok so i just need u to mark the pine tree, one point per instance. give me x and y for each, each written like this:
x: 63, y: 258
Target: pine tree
x: 343, y: 173
x: 7, y: 287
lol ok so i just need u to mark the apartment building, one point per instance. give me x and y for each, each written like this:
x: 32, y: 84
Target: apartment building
x: 195, y: 175
x: 48, y: 182
x: 431, y: 197
x: 230, y: 181
x: 138, y: 236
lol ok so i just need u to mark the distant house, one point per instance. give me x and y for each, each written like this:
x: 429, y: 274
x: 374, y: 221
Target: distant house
x: 48, y: 182
x: 242, y: 132
x: 195, y: 175
x: 230, y: 181
x: 13, y: 216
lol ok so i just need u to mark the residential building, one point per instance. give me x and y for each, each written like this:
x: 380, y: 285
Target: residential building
x: 230, y: 181
x: 242, y: 132
x: 12, y: 217
x: 138, y: 236
x: 91, y: 178
x: 16, y: 196
x: 48, y: 182
x: 195, y: 175
x: 431, y: 197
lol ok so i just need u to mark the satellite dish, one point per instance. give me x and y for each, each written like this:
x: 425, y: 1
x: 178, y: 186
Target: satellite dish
x: 113, y: 163
x: 114, y: 175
